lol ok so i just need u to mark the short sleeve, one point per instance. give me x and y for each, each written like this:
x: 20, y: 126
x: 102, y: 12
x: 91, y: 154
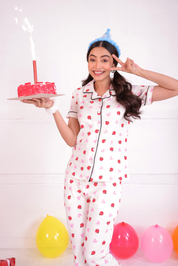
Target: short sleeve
x: 144, y: 92
x: 73, y: 111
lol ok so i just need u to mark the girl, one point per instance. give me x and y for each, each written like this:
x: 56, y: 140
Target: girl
x: 99, y: 117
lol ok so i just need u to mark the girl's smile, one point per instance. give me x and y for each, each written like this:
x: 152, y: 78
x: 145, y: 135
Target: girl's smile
x: 98, y: 73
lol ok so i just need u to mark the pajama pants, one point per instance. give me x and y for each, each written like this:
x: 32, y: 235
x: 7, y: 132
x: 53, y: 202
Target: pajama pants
x: 91, y: 209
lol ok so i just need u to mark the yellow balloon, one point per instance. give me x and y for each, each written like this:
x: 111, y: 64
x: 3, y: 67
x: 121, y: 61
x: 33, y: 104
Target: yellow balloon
x: 52, y: 237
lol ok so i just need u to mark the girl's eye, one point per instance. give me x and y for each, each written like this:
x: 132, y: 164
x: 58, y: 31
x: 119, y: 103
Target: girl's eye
x: 92, y: 60
x: 105, y: 60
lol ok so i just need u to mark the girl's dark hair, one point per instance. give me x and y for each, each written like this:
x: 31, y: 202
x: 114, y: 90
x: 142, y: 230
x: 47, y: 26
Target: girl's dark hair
x: 121, y: 86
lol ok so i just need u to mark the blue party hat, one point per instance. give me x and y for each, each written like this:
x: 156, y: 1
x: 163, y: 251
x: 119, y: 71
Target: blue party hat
x: 106, y: 37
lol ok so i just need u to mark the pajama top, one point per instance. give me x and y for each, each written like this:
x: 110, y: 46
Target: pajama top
x: 100, y: 153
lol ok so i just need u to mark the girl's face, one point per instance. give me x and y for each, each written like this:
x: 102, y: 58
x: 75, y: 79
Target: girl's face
x: 100, y: 62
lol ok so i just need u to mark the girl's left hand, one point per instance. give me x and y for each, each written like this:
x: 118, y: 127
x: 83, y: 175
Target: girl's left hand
x: 129, y: 66
x: 40, y: 102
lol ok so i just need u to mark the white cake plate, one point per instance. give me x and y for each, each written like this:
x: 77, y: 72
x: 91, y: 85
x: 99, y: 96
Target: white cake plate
x: 41, y: 95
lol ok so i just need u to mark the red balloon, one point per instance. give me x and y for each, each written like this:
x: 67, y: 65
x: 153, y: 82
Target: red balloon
x: 124, y: 243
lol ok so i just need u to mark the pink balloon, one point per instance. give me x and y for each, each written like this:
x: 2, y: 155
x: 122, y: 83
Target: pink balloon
x: 157, y: 243
x: 124, y: 242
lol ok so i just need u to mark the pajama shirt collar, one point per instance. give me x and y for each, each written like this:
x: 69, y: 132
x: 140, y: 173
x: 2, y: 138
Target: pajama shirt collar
x: 89, y: 88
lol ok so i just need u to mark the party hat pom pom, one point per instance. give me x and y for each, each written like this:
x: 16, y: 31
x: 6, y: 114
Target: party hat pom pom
x: 106, y: 37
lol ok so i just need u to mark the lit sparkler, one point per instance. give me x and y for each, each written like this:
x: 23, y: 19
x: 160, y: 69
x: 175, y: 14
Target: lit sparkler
x: 27, y: 27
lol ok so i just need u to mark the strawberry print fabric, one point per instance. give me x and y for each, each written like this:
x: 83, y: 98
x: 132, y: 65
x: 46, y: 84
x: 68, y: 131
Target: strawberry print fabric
x: 7, y: 262
x: 91, y: 209
x: 100, y: 153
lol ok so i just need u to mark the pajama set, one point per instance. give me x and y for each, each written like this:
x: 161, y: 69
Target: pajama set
x: 95, y: 171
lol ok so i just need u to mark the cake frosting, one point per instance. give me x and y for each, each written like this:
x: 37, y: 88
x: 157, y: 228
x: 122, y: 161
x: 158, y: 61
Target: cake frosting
x: 32, y: 89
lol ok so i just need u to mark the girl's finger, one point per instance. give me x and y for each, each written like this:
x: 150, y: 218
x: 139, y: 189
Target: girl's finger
x: 117, y: 59
x: 43, y: 102
x: 116, y: 68
x: 28, y: 101
x: 37, y: 102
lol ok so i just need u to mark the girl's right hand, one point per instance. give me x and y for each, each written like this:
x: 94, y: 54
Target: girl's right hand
x: 40, y: 102
x: 129, y: 66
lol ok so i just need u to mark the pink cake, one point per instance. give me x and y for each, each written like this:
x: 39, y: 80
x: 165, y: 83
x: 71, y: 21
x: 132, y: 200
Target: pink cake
x: 32, y: 89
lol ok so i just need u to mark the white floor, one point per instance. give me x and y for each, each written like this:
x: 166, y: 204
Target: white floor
x: 32, y: 257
